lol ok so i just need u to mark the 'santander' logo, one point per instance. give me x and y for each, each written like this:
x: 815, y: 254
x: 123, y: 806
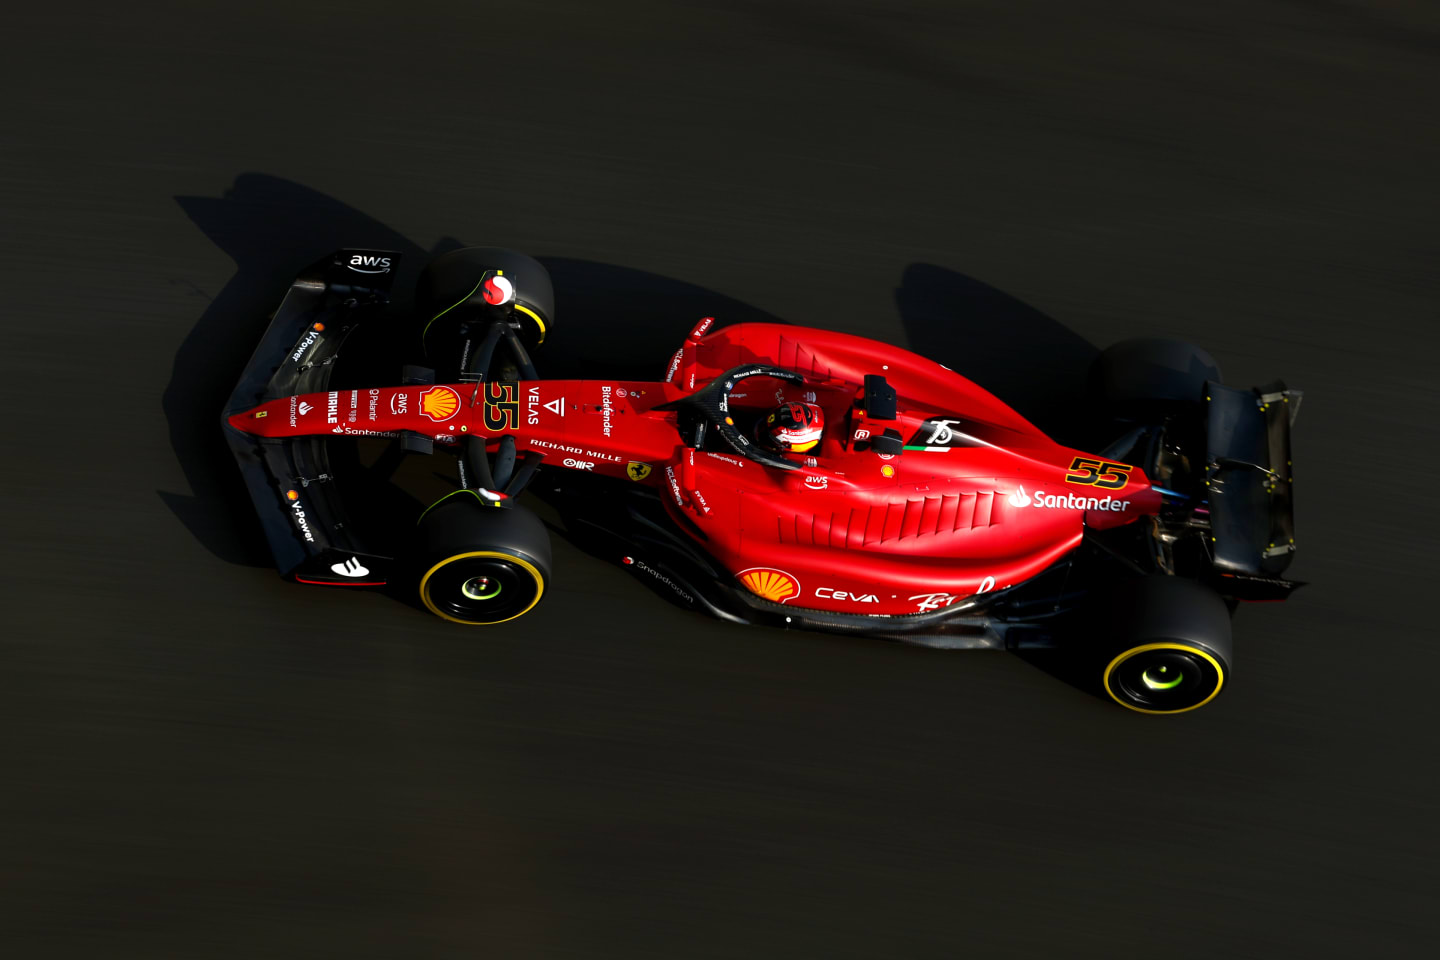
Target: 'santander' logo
x: 439, y: 403
x: 774, y: 585
x: 1066, y: 501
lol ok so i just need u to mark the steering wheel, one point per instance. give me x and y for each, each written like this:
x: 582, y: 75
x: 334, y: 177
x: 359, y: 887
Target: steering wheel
x: 714, y: 403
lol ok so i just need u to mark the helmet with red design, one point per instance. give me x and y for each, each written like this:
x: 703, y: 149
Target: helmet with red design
x: 794, y: 427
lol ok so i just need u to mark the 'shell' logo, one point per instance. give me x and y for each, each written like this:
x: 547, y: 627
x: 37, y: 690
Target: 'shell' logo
x: 777, y: 586
x: 439, y: 403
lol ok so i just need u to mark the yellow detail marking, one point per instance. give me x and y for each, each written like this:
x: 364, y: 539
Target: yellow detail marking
x: 453, y: 493
x: 451, y: 307
x: 533, y: 316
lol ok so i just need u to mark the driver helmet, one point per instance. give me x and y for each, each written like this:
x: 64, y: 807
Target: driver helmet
x: 794, y: 427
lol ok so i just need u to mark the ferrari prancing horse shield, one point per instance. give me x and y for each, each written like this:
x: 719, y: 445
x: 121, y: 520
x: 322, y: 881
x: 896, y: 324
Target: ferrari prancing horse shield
x: 637, y: 471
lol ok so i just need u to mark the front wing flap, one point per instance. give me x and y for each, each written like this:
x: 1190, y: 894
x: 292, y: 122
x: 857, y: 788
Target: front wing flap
x: 290, y: 480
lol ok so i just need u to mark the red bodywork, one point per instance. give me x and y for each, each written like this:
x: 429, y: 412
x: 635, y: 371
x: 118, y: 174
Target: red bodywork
x: 979, y: 500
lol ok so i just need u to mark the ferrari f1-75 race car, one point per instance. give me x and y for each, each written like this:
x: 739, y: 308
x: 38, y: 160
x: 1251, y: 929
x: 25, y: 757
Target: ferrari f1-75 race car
x: 894, y: 498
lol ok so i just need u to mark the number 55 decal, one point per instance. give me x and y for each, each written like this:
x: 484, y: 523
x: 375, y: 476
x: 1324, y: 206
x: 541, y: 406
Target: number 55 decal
x: 502, y: 405
x: 1098, y: 473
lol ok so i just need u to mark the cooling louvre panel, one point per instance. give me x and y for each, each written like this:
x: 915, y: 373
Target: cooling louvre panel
x: 948, y: 515
x: 793, y: 356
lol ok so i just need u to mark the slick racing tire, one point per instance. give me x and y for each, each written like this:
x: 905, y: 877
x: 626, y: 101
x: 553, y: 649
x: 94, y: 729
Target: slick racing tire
x: 1147, y: 371
x: 451, y: 289
x: 1170, y: 646
x: 480, y: 564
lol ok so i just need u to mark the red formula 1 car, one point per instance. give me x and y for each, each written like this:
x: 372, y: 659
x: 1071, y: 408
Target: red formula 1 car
x: 780, y: 475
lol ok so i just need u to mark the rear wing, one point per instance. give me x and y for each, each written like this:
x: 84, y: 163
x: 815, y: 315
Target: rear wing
x: 290, y: 480
x: 1250, y: 483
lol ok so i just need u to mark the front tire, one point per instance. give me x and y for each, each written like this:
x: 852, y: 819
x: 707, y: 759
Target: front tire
x: 479, y: 564
x: 449, y: 292
x: 1171, y: 646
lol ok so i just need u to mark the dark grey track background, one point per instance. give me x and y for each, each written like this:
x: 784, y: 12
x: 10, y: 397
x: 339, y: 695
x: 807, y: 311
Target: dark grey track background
x: 201, y: 761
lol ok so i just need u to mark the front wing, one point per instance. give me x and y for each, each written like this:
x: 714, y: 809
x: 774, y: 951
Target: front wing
x: 290, y: 481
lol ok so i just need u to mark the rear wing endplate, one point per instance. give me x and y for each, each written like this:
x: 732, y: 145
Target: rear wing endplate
x: 1249, y: 479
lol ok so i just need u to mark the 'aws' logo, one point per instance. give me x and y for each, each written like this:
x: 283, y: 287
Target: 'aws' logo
x: 363, y: 263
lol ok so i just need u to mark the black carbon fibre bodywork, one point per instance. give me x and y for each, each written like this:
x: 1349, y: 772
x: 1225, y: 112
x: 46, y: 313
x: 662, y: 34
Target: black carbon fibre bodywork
x: 291, y: 482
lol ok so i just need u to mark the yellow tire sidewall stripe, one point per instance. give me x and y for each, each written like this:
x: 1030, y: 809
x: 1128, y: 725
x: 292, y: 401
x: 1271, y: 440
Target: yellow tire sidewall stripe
x: 527, y: 565
x: 1219, y: 672
x: 533, y: 316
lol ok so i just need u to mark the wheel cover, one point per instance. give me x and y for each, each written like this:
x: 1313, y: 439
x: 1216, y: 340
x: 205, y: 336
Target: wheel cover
x: 482, y: 587
x: 1164, y: 678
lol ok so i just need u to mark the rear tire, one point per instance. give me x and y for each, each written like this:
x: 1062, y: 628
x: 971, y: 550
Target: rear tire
x: 449, y: 291
x: 1170, y: 645
x: 479, y: 564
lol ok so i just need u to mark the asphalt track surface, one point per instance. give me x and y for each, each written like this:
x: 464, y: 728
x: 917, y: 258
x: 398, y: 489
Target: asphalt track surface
x: 200, y: 760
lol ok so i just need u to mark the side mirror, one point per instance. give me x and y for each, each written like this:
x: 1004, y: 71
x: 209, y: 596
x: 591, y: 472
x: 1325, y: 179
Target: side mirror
x: 888, y: 442
x: 879, y: 398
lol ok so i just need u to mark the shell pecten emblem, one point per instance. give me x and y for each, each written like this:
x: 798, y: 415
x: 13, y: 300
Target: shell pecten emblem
x: 777, y: 586
x: 439, y: 403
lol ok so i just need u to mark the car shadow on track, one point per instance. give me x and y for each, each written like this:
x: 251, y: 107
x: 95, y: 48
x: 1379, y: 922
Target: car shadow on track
x: 1031, y: 361
x: 627, y: 322
x: 271, y: 228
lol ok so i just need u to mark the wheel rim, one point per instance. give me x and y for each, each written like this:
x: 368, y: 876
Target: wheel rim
x: 481, y: 587
x: 1164, y: 678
